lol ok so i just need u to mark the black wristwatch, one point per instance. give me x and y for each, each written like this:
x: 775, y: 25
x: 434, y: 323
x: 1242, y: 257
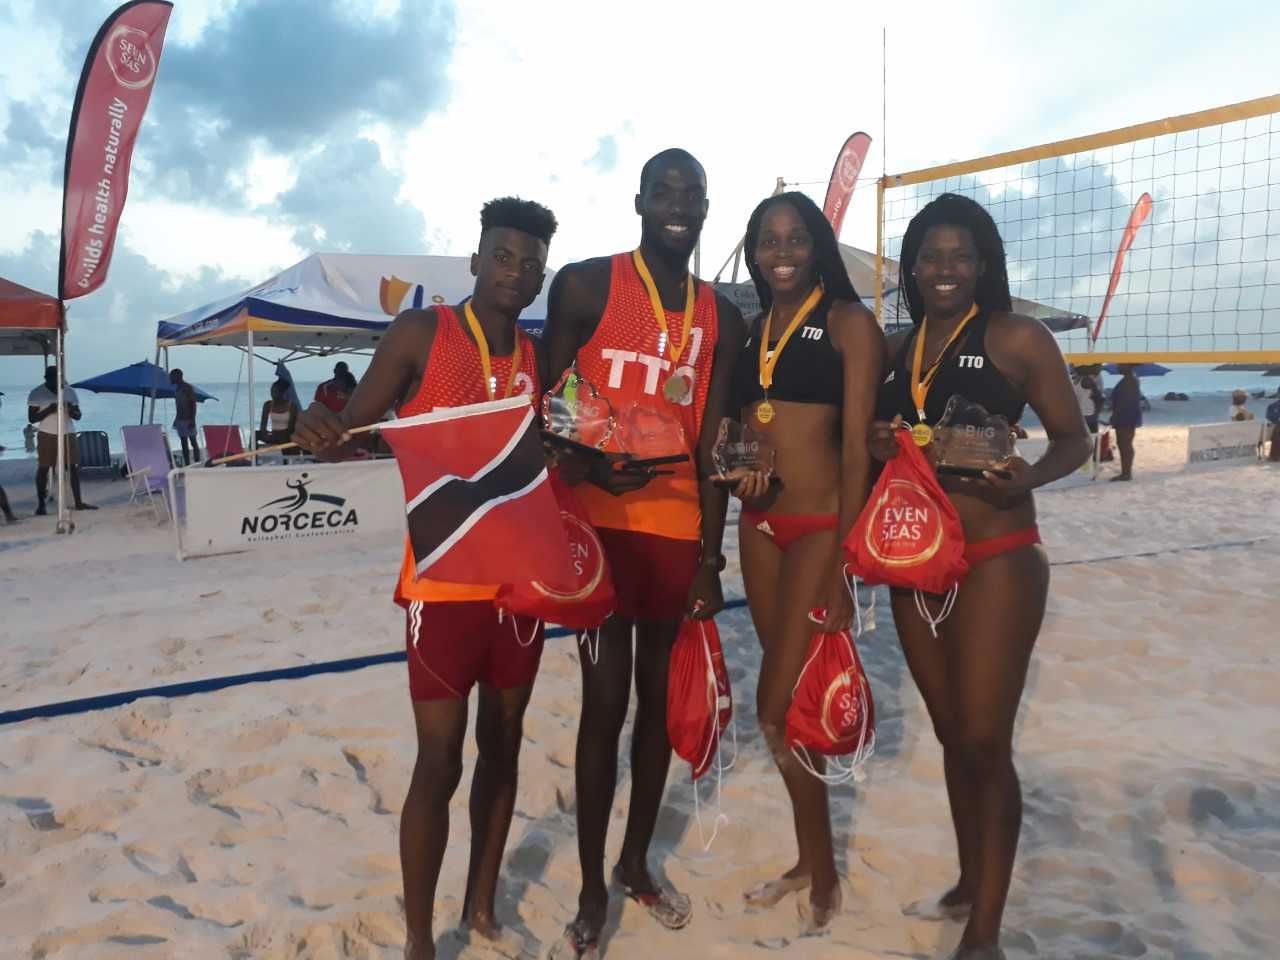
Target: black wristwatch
x: 718, y: 561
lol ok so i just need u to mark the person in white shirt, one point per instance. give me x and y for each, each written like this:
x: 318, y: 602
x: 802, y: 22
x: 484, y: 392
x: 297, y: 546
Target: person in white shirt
x: 1238, y: 409
x: 42, y: 410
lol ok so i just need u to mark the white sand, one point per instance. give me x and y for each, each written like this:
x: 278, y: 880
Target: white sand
x: 261, y: 821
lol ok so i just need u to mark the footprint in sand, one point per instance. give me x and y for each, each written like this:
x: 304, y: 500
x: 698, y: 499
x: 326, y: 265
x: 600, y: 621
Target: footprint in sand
x: 172, y: 646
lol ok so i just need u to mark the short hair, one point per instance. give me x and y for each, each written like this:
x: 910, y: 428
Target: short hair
x: 175, y: 372
x: 667, y: 157
x: 516, y: 214
x: 50, y: 371
x: 828, y: 265
x: 340, y: 368
x: 953, y: 210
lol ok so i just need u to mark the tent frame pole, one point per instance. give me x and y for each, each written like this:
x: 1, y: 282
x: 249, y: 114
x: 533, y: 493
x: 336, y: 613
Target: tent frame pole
x: 65, y: 524
x: 253, y: 433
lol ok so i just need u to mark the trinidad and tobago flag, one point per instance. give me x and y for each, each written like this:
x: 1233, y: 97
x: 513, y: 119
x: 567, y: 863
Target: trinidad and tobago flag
x: 477, y: 495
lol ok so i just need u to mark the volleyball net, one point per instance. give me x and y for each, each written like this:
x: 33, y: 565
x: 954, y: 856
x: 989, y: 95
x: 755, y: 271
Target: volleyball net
x: 1158, y: 242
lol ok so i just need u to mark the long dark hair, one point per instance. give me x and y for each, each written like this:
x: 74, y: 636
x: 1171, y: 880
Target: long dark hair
x: 953, y: 210
x: 828, y: 265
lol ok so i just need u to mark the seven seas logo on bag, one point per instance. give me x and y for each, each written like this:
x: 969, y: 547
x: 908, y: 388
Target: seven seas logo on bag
x: 907, y: 526
x: 586, y: 556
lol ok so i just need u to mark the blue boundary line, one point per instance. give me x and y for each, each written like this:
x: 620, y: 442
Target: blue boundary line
x: 172, y: 690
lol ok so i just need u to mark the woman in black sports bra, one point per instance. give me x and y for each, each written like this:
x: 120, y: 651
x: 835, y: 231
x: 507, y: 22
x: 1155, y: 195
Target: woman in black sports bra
x: 955, y: 283
x: 812, y: 394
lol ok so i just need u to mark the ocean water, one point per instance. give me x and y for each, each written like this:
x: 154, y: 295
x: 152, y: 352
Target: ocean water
x: 109, y: 412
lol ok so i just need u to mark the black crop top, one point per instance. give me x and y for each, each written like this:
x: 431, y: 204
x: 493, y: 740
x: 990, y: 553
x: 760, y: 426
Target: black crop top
x: 809, y: 371
x: 967, y: 370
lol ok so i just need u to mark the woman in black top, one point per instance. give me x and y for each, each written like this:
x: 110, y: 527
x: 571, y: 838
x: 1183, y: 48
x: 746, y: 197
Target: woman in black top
x: 807, y: 381
x: 972, y: 673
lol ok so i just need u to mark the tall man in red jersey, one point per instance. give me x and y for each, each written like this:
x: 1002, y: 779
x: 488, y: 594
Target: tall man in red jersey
x: 448, y: 357
x: 646, y: 334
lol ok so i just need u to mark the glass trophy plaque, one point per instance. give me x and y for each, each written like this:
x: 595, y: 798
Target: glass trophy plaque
x: 968, y: 440
x: 575, y: 416
x: 740, y: 451
x: 651, y: 435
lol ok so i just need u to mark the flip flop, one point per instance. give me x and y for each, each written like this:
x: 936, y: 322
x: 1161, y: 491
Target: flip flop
x: 670, y: 908
x: 771, y: 892
x: 577, y: 942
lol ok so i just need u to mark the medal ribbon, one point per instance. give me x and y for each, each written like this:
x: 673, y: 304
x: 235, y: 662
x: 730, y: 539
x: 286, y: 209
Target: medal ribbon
x: 769, y: 358
x: 486, y: 365
x: 920, y: 387
x: 660, y: 314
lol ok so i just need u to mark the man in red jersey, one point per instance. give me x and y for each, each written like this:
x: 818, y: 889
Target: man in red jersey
x: 659, y: 344
x: 448, y: 357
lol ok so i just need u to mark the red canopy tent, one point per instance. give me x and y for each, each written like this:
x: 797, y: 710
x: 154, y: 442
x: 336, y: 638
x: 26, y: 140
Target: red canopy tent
x: 28, y: 321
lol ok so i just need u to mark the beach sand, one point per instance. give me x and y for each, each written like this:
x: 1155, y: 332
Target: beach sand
x: 261, y: 821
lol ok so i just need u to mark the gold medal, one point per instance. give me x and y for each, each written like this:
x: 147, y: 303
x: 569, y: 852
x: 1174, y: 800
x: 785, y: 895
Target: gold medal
x: 676, y: 388
x: 922, y: 434
x: 764, y: 412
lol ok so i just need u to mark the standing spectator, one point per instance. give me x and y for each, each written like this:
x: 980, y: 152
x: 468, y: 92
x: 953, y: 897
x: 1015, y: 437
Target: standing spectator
x: 184, y: 420
x: 1126, y: 417
x: 1273, y: 421
x: 42, y: 410
x: 1239, y: 409
x: 1093, y: 405
x: 335, y: 393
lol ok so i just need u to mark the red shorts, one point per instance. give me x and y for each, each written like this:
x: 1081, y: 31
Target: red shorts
x: 651, y: 574
x: 453, y: 645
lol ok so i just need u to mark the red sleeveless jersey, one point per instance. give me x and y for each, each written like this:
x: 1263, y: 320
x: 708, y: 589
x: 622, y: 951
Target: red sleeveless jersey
x: 454, y: 378
x: 623, y: 362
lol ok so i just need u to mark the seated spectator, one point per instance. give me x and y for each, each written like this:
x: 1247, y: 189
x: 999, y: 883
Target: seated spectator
x: 278, y: 416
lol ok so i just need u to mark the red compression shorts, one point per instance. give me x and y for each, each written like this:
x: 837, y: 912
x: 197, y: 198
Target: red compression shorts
x: 651, y: 574
x: 453, y: 645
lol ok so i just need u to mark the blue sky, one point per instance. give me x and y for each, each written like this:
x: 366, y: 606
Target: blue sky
x: 283, y: 127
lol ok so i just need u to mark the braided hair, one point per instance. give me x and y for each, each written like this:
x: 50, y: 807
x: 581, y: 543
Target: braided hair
x: 828, y: 265
x: 953, y: 210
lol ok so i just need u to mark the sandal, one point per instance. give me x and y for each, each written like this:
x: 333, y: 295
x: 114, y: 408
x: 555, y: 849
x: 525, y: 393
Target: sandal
x: 670, y: 908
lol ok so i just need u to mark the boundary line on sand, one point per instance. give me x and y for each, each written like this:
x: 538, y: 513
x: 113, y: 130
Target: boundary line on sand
x: 170, y: 691
x: 212, y: 684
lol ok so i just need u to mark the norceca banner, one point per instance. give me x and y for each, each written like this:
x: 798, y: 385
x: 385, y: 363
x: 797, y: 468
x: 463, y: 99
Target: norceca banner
x: 228, y: 509
x: 1235, y: 442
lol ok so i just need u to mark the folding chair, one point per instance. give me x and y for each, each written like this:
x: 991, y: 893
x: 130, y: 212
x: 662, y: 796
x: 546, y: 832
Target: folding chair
x: 95, y: 451
x: 146, y: 454
x: 224, y: 440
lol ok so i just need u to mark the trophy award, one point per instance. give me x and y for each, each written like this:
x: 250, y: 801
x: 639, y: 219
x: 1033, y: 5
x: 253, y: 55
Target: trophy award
x: 968, y: 441
x: 739, y: 452
x: 651, y: 436
x: 576, y: 417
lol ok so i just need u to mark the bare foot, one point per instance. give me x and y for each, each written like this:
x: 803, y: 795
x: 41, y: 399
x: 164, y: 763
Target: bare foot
x: 818, y: 911
x: 419, y: 949
x: 482, y: 922
x: 955, y: 904
x: 770, y: 892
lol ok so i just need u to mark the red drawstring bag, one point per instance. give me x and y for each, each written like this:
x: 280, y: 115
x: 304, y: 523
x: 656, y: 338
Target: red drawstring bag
x: 909, y: 534
x: 831, y: 710
x: 700, y: 708
x: 588, y: 604
x: 699, y: 701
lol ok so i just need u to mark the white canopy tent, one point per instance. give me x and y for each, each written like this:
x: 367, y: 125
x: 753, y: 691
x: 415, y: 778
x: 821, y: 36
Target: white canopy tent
x: 329, y: 303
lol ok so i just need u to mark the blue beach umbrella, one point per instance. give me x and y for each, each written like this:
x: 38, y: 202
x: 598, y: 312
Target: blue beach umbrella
x: 138, y: 380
